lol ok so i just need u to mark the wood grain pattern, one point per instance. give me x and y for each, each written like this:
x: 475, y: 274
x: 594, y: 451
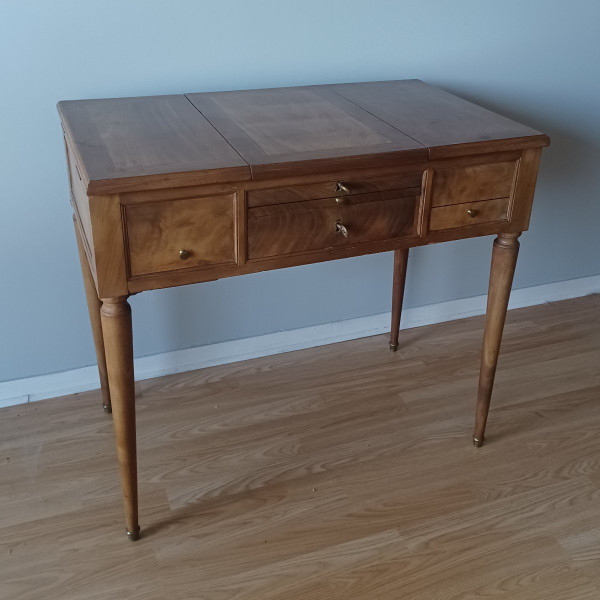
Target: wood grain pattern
x: 298, y: 126
x: 109, y: 246
x: 280, y: 229
x: 327, y: 189
x: 520, y: 208
x: 294, y: 189
x: 446, y: 124
x: 334, y: 472
x: 203, y: 227
x: 469, y: 214
x: 123, y: 141
x: 123, y: 145
x: 191, y: 275
x: 470, y: 184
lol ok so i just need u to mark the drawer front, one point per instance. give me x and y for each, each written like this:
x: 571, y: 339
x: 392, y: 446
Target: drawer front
x: 471, y: 184
x: 295, y: 227
x: 472, y: 213
x: 327, y: 189
x: 178, y: 234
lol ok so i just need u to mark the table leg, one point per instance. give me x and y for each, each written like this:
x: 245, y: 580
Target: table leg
x: 118, y: 339
x: 400, y: 262
x: 94, y: 305
x: 504, y: 260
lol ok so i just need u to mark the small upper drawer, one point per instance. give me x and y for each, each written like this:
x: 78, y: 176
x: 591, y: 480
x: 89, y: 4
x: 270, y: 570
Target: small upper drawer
x: 470, y: 184
x: 472, y: 213
x: 176, y: 234
x: 327, y: 189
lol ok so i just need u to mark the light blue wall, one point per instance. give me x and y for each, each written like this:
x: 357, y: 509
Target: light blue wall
x: 536, y: 60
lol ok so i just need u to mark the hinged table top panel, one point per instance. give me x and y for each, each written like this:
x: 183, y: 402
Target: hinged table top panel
x: 287, y: 130
x: 439, y: 120
x: 215, y: 137
x: 146, y: 139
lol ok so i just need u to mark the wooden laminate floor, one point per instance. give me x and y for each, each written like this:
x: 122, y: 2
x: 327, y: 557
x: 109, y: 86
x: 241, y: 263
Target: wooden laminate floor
x: 342, y: 472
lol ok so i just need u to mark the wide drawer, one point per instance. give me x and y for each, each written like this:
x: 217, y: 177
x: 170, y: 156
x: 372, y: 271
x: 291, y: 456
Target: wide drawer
x: 471, y: 184
x: 295, y: 227
x: 471, y: 213
x: 334, y: 187
x: 177, y: 234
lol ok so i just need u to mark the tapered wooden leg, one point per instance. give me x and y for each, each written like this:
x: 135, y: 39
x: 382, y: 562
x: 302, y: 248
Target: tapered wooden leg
x: 504, y: 260
x: 118, y: 340
x: 400, y: 262
x: 94, y: 305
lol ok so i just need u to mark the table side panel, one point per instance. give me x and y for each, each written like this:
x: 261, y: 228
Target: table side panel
x: 80, y: 203
x: 109, y: 246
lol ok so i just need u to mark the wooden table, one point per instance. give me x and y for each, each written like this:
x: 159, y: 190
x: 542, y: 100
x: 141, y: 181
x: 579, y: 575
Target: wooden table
x: 173, y: 190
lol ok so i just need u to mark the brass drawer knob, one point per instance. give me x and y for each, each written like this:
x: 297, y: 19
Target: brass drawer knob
x: 340, y: 187
x: 184, y: 254
x: 341, y: 228
x: 472, y: 213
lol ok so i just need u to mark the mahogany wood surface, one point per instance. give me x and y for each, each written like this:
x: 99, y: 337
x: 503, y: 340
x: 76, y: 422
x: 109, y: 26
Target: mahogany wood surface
x: 202, y: 228
x: 174, y: 190
x: 470, y: 184
x: 277, y: 230
x: 338, y: 472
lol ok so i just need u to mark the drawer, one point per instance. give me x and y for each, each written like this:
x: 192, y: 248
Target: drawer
x: 471, y: 184
x: 178, y: 234
x: 472, y: 213
x: 327, y: 189
x: 294, y: 227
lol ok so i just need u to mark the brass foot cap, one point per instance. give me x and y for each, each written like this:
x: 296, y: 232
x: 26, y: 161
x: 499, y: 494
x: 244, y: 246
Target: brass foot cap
x: 107, y: 409
x: 477, y: 442
x: 393, y: 347
x: 134, y: 535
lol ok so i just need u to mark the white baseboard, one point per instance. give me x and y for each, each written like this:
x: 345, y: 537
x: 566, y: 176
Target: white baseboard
x: 30, y: 389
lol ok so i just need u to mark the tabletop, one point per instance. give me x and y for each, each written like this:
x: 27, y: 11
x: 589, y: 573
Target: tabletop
x: 216, y: 137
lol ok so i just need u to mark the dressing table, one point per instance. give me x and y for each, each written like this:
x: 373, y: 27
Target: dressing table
x: 187, y: 188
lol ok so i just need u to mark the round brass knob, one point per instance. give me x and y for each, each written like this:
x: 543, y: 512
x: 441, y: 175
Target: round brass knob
x: 472, y: 213
x: 184, y: 254
x: 341, y: 228
x: 340, y: 199
x: 340, y: 187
